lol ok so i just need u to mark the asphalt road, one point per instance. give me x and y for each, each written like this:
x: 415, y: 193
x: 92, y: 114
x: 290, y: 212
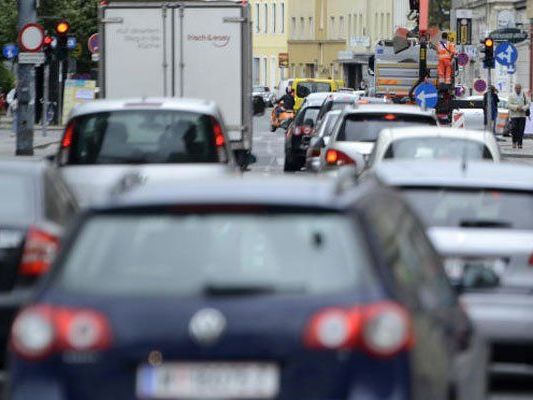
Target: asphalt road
x: 268, y: 148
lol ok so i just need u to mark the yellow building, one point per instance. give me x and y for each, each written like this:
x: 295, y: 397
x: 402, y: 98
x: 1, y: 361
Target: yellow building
x: 315, y: 38
x: 270, y: 19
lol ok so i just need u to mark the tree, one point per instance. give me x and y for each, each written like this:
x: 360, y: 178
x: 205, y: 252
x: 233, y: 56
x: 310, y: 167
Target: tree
x: 439, y: 13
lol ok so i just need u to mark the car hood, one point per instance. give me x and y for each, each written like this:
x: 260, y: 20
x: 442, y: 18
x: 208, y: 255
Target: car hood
x: 92, y: 183
x: 481, y: 241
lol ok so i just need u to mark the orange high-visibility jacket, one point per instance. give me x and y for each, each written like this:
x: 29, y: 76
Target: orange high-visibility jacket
x: 446, y: 50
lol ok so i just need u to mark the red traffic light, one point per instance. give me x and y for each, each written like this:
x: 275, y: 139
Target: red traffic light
x: 48, y: 40
x: 62, y: 28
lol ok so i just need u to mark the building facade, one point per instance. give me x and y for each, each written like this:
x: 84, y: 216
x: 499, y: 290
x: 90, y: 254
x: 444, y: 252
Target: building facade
x: 270, y: 34
x: 487, y: 16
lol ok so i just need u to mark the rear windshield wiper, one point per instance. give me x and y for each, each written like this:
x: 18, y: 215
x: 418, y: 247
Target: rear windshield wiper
x: 480, y: 223
x: 246, y: 290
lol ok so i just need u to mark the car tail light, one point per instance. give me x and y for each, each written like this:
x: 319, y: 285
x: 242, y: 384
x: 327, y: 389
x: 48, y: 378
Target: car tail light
x: 40, y: 331
x: 220, y: 140
x: 381, y: 329
x: 66, y: 142
x: 387, y: 330
x: 39, y: 251
x: 338, y: 158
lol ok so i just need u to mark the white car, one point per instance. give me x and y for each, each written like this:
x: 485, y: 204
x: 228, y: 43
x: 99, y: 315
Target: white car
x: 358, y: 128
x: 469, y: 114
x: 434, y: 143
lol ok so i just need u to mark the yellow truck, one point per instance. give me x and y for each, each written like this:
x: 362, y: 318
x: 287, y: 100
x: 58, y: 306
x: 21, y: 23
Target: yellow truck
x: 303, y: 87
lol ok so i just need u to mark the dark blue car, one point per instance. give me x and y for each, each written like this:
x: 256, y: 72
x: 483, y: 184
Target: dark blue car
x: 245, y: 289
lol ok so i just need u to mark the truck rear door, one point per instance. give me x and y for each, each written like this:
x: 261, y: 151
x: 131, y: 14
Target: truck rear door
x: 209, y: 59
x: 137, y: 48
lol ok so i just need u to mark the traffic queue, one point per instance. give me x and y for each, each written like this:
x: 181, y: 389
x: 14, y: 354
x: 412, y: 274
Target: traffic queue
x: 141, y: 262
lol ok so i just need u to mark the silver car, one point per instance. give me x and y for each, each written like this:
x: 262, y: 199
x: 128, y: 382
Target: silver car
x: 264, y: 91
x: 105, y: 139
x: 358, y: 128
x: 480, y: 218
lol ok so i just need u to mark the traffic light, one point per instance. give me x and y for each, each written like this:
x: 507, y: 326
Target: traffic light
x: 488, y: 49
x: 62, y: 29
x: 48, y: 45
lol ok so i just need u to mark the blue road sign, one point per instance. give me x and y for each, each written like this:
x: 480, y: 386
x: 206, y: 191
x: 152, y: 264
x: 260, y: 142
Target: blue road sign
x: 506, y: 54
x: 511, y: 69
x: 71, y: 43
x: 426, y: 95
x: 10, y: 51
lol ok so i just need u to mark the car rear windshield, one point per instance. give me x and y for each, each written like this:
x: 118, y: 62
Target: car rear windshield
x: 330, y: 124
x: 186, y: 255
x: 143, y: 136
x: 307, y: 114
x: 366, y: 127
x: 473, y: 208
x: 437, y: 148
x: 17, y: 197
x: 304, y: 89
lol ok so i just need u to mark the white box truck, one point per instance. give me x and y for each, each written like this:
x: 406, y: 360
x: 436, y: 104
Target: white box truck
x: 189, y: 48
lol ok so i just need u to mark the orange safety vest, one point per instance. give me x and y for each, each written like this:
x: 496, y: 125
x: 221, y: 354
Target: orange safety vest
x: 446, y: 50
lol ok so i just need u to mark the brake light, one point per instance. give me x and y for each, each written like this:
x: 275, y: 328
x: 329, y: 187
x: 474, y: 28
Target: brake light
x: 381, y: 329
x: 40, y: 331
x: 39, y: 251
x: 338, y: 158
x: 390, y: 117
x: 220, y: 141
x: 67, y: 136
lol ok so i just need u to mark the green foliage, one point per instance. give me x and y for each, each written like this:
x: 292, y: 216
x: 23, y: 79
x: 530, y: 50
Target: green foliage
x: 7, y: 80
x: 439, y: 13
x: 82, y: 15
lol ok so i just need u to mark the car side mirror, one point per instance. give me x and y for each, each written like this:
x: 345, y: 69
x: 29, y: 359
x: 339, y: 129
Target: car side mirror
x: 259, y: 106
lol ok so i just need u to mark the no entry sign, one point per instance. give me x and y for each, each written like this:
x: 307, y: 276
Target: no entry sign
x: 31, y: 38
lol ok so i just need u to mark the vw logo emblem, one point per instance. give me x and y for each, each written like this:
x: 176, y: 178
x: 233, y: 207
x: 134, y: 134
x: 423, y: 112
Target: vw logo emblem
x: 207, y: 326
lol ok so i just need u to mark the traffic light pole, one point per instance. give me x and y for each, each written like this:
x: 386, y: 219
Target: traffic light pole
x: 488, y: 112
x: 25, y: 114
x: 60, y: 93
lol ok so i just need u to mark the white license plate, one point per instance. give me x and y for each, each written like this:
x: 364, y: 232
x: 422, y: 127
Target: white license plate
x: 208, y: 381
x: 455, y: 267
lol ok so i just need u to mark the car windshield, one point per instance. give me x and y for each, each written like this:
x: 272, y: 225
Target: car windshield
x: 304, y: 89
x: 157, y: 255
x: 307, y: 114
x: 16, y: 193
x: 362, y: 127
x: 437, y: 148
x: 143, y: 136
x: 443, y: 207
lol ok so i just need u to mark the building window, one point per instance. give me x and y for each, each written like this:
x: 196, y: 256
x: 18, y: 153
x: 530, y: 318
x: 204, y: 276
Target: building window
x: 342, y: 27
x: 302, y: 28
x: 265, y: 19
x: 282, y: 16
x: 311, y: 28
x: 331, y: 27
x: 257, y: 29
x: 265, y: 72
x: 293, y: 27
x: 389, y: 26
x: 274, y: 18
x: 361, y: 30
x: 382, y: 26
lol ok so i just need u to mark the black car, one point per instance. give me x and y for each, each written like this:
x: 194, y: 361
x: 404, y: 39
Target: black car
x: 35, y: 206
x: 301, y: 130
x: 246, y: 288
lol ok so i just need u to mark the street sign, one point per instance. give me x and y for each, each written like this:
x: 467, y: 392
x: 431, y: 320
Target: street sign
x: 511, y: 69
x: 464, y: 31
x: 506, y: 54
x: 94, y: 43
x: 95, y: 57
x: 460, y: 91
x: 31, y: 37
x: 513, y: 35
x: 283, y: 59
x: 31, y: 58
x: 71, y: 43
x: 426, y: 95
x: 10, y: 51
x: 480, y: 85
x: 462, y: 59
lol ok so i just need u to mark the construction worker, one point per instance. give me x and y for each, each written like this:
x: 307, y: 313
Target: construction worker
x: 446, y: 51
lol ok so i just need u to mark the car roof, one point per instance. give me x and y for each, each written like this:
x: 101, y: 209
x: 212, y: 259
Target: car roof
x: 315, y: 99
x: 390, y: 108
x: 340, y: 96
x: 475, y: 174
x: 433, y: 132
x: 302, y: 192
x: 146, y: 103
